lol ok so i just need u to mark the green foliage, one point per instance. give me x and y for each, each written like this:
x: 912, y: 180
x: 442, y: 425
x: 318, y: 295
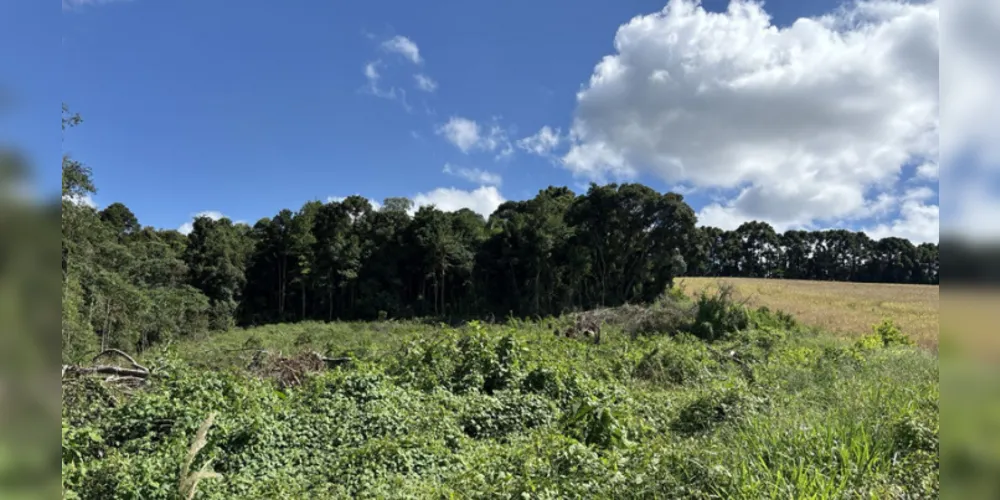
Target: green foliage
x: 676, y: 363
x: 890, y: 334
x: 595, y: 423
x: 884, y: 334
x: 613, y: 247
x: 679, y: 398
x: 717, y: 316
x: 505, y: 413
x: 487, y: 411
x: 712, y: 409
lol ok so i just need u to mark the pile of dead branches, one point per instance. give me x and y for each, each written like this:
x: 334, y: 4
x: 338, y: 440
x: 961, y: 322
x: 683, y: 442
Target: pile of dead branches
x: 135, y: 375
x: 290, y: 371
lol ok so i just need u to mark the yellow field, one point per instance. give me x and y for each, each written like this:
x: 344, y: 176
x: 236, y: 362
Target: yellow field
x: 848, y: 309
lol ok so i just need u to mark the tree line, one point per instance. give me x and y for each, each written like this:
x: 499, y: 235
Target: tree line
x: 125, y: 285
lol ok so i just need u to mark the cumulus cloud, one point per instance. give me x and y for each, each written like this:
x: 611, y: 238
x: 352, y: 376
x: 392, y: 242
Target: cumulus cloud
x: 187, y: 227
x: 542, y: 143
x: 474, y: 175
x: 403, y: 46
x: 483, y: 200
x: 461, y: 132
x: 970, y: 137
x: 928, y: 170
x: 802, y: 121
x: 425, y: 83
x: 468, y: 135
x: 337, y: 199
x: 85, y: 200
x: 918, y: 222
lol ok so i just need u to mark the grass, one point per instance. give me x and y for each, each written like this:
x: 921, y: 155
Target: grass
x: 846, y: 309
x: 763, y: 410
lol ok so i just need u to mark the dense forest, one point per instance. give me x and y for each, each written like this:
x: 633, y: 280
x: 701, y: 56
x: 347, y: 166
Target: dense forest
x: 125, y: 285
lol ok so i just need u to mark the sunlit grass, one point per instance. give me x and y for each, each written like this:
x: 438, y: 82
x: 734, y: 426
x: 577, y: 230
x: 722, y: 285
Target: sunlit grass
x: 846, y: 309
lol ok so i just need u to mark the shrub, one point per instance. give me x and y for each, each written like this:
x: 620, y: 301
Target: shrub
x: 594, y: 422
x: 505, y: 413
x: 675, y: 363
x: 304, y: 338
x: 663, y: 317
x: 551, y: 383
x: 716, y: 315
x: 884, y: 334
x: 484, y: 364
x: 712, y: 409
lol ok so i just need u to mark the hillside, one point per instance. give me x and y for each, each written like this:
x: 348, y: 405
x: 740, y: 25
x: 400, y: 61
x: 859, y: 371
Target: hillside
x: 685, y: 398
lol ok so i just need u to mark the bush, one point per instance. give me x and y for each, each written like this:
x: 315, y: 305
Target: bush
x: 675, y: 363
x: 551, y: 383
x: 884, y: 334
x: 304, y: 338
x: 594, y: 422
x: 485, y: 364
x: 712, y: 409
x: 663, y: 317
x: 716, y: 315
x: 437, y: 412
x: 505, y: 413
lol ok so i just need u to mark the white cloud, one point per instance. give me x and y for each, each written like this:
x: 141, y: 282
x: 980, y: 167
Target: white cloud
x: 928, y: 170
x: 918, y: 223
x: 372, y: 74
x: 542, y: 143
x: 187, y: 227
x: 337, y: 199
x: 483, y: 200
x: 85, y: 200
x: 461, y: 132
x: 467, y: 135
x: 474, y: 175
x: 403, y: 46
x: 804, y: 120
x: 425, y: 83
x: 970, y: 137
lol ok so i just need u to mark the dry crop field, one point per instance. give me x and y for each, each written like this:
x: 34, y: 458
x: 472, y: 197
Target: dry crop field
x: 848, y: 309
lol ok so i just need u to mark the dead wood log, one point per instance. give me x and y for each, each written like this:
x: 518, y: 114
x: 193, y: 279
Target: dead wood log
x: 137, y: 374
x: 105, y: 370
x: 131, y: 360
x: 331, y: 362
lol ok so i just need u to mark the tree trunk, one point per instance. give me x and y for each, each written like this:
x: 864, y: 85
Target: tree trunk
x: 107, y: 326
x: 329, y: 290
x: 538, y: 287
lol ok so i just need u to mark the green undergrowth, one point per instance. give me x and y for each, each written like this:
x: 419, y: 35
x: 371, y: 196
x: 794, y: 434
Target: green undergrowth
x: 744, y: 405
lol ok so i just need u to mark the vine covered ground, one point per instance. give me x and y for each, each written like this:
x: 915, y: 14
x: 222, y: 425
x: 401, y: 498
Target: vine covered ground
x: 687, y: 398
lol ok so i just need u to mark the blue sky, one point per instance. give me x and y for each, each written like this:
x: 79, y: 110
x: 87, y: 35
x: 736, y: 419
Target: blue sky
x: 204, y: 106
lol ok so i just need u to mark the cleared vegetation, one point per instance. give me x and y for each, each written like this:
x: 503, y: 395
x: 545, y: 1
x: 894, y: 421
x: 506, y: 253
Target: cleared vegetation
x: 685, y: 398
x: 846, y: 309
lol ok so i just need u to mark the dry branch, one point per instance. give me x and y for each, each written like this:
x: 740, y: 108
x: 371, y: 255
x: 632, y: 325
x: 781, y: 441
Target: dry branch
x: 105, y: 370
x: 137, y: 374
x: 135, y: 365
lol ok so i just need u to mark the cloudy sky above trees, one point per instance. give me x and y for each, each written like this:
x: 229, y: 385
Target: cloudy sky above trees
x: 805, y: 116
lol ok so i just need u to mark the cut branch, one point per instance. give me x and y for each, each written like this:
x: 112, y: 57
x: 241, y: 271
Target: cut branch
x: 136, y: 374
x: 105, y: 370
x: 131, y: 360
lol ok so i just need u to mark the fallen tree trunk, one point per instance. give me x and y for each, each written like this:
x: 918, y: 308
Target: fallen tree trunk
x: 105, y: 370
x: 115, y: 373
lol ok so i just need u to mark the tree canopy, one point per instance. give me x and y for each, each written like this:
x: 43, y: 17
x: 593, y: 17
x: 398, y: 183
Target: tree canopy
x: 125, y: 285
